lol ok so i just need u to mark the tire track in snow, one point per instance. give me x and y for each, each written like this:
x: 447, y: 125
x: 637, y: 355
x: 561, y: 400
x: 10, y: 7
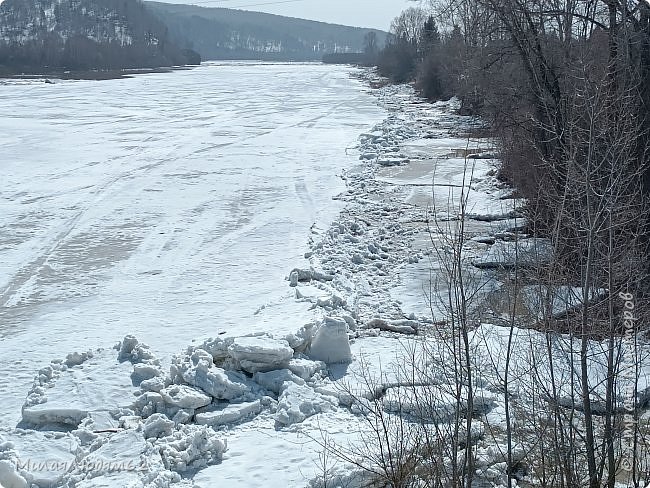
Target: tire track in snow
x: 32, y: 268
x: 24, y: 274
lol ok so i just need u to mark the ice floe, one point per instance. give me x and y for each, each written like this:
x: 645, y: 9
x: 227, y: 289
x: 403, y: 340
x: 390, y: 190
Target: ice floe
x: 532, y: 252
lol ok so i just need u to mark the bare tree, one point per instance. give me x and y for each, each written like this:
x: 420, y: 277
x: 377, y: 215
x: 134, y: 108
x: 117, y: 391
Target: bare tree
x: 409, y: 25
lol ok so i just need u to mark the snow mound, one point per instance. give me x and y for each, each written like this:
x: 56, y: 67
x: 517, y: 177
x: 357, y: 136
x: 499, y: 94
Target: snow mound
x: 298, y: 402
x: 76, y: 358
x: 190, y: 447
x: 331, y: 343
x: 197, y: 369
x: 149, y: 403
x: 135, y: 352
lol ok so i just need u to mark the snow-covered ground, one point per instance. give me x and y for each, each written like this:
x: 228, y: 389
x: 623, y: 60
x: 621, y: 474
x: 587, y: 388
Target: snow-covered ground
x: 169, y: 206
x: 173, y: 207
x: 255, y: 237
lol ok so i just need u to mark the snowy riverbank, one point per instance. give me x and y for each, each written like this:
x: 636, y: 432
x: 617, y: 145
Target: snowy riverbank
x: 131, y: 399
x: 228, y: 400
x: 251, y: 405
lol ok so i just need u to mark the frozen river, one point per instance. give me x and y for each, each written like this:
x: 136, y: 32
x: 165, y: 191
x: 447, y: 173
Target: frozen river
x: 173, y: 207
x: 169, y: 206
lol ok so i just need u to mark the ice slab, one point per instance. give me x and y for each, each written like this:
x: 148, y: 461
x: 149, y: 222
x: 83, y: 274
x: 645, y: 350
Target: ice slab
x: 524, y: 252
x: 184, y: 396
x: 231, y: 414
x: 260, y: 353
x: 274, y: 380
x: 100, y: 384
x: 330, y: 343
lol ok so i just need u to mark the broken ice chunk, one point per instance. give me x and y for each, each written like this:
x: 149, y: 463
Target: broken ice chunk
x: 331, y: 343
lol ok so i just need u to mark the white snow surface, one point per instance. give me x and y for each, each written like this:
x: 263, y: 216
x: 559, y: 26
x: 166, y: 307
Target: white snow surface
x: 168, y: 206
x: 197, y: 206
x: 253, y: 236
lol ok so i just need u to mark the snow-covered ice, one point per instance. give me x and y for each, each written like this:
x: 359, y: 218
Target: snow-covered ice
x: 261, y: 353
x: 168, y: 206
x: 297, y: 402
x: 230, y: 414
x: 528, y: 252
x: 255, y: 240
x: 64, y: 394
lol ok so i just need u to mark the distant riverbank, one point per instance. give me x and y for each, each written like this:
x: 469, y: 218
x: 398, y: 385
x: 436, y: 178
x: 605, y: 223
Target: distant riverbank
x: 113, y: 74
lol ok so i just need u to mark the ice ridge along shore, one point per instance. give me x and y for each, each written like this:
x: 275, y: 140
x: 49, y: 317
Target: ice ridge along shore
x: 251, y: 409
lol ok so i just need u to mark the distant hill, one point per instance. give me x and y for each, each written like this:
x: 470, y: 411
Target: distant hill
x: 220, y: 33
x: 44, y: 35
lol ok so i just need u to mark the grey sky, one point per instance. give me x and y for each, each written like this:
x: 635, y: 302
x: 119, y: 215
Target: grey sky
x: 361, y: 13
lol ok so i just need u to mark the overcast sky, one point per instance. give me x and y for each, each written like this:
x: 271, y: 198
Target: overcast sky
x: 361, y: 13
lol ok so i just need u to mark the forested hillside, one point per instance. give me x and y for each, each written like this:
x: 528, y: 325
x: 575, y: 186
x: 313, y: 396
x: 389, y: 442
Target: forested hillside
x: 219, y: 33
x: 39, y: 35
